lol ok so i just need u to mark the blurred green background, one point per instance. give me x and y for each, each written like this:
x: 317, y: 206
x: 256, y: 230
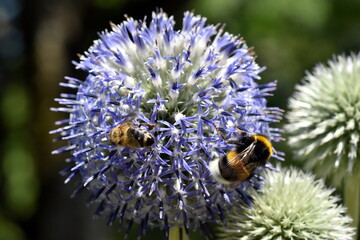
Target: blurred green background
x: 38, y: 40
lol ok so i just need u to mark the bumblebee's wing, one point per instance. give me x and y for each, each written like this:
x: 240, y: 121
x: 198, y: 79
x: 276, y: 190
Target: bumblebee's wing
x: 246, y: 154
x: 239, y: 163
x: 234, y: 158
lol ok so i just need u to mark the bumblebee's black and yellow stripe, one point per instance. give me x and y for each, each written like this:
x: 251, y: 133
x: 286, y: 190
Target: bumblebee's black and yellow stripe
x: 249, y: 153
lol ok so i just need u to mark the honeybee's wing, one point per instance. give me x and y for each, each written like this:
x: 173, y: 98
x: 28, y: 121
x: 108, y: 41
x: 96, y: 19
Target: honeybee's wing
x: 131, y: 115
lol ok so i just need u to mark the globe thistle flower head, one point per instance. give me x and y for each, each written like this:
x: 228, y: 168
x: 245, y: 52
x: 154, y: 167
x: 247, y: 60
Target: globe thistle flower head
x: 291, y: 205
x: 173, y: 87
x: 324, y: 117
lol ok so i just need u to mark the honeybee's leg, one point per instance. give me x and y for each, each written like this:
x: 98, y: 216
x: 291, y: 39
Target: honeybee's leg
x: 149, y: 125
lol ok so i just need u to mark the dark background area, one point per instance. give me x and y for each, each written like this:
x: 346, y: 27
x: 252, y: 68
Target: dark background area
x: 40, y: 38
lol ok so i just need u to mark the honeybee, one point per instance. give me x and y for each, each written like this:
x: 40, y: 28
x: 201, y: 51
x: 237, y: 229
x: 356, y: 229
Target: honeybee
x: 128, y: 135
x: 250, y: 152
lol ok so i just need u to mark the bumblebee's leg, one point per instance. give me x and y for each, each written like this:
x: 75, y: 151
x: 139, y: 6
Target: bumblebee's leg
x: 235, y: 142
x: 241, y: 132
x: 235, y: 184
x: 219, y: 132
x: 253, y: 165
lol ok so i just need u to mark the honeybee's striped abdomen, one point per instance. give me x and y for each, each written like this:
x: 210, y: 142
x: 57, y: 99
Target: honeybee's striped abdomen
x: 127, y: 135
x: 145, y: 139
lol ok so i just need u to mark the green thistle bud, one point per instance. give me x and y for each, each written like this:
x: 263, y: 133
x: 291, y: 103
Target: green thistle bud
x: 324, y: 118
x: 324, y: 125
x: 292, y: 205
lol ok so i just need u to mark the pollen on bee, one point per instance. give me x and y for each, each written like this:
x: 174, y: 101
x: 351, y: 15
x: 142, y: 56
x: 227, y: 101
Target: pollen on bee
x: 231, y: 157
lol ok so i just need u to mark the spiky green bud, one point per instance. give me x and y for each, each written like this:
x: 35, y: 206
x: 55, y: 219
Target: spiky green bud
x: 292, y: 205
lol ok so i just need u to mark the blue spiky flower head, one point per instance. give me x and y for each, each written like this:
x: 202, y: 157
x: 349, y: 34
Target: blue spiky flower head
x: 183, y: 82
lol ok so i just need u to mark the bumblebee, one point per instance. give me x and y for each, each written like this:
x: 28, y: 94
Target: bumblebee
x: 128, y: 135
x: 250, y: 152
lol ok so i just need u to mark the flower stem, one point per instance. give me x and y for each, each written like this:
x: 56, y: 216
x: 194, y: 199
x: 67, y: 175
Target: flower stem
x: 178, y: 233
x: 352, y: 198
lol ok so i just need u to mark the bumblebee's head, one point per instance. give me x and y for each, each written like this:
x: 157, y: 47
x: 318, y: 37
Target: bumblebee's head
x: 263, y: 148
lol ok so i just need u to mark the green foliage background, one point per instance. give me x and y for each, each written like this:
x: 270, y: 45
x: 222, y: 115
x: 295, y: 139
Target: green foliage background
x: 38, y: 40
